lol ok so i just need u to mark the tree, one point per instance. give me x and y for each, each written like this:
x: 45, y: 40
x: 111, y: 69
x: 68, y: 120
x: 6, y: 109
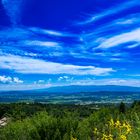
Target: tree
x: 122, y: 107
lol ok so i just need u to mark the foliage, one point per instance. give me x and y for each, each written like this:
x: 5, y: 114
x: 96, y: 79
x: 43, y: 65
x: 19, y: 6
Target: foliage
x: 68, y: 122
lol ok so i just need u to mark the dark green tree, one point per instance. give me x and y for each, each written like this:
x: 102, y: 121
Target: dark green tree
x: 122, y: 107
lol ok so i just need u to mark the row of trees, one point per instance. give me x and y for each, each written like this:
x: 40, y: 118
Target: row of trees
x: 56, y: 122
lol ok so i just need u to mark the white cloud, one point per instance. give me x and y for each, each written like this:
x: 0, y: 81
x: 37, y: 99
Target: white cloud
x: 29, y: 65
x: 115, y: 82
x: 41, y: 43
x: 52, y: 32
x: 13, y: 87
x: 120, y: 39
x: 55, y: 33
x: 115, y: 59
x: 17, y: 80
x: 63, y: 78
x: 124, y: 82
x: 8, y: 79
x: 111, y: 81
x: 30, y: 54
x: 60, y: 78
x: 128, y: 21
x: 133, y: 46
x: 41, y: 81
x: 66, y: 77
x: 12, y: 8
x: 111, y: 11
x: 4, y: 79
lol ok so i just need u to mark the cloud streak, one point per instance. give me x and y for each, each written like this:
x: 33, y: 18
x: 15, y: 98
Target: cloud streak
x: 42, y: 43
x: 12, y: 8
x: 132, y: 36
x: 31, y: 66
x: 52, y: 32
x: 108, y: 81
x: 113, y: 10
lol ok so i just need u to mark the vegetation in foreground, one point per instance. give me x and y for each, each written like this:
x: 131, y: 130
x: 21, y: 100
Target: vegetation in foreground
x: 70, y: 122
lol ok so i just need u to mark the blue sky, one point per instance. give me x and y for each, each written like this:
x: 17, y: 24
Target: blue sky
x: 47, y: 43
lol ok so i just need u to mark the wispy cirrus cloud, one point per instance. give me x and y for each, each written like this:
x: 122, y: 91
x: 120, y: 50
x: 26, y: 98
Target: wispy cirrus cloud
x: 52, y: 32
x: 132, y: 36
x: 104, y: 36
x: 41, y: 43
x: 29, y: 65
x: 128, y: 21
x: 103, y: 32
x: 13, y: 10
x: 107, y: 12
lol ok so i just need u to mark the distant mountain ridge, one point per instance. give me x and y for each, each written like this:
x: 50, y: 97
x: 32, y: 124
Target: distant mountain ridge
x: 90, y: 88
x: 79, y: 88
x: 74, y: 94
